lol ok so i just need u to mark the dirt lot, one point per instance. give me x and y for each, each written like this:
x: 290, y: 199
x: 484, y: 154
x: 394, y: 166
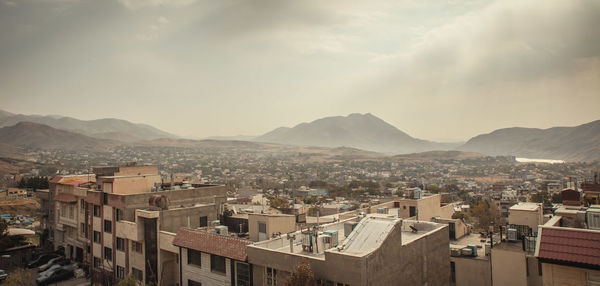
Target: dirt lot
x: 20, y: 206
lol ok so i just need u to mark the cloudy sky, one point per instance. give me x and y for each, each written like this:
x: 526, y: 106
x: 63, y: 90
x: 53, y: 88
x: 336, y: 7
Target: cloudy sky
x: 444, y: 70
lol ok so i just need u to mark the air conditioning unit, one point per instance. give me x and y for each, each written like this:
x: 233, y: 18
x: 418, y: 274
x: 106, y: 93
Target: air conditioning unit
x: 511, y: 234
x: 221, y: 229
x: 466, y: 252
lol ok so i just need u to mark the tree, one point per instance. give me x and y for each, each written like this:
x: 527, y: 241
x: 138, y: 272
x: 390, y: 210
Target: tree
x: 278, y: 203
x: 433, y: 188
x: 128, y: 281
x: 302, y: 275
x: 20, y: 277
x: 486, y: 214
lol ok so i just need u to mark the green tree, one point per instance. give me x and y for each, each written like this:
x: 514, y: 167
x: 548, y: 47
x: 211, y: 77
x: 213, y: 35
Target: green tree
x: 303, y: 275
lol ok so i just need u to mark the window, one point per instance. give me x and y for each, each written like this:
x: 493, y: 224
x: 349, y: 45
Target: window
x: 203, y: 221
x: 137, y: 274
x: 83, y: 232
x: 97, y: 262
x: 107, y: 253
x: 242, y: 274
x: 107, y: 226
x: 120, y: 272
x: 271, y: 276
x: 136, y: 246
x: 217, y: 263
x: 120, y: 244
x: 194, y: 283
x: 105, y: 198
x: 194, y: 257
x: 119, y: 214
x: 96, y: 236
x: 96, y: 211
x: 82, y: 205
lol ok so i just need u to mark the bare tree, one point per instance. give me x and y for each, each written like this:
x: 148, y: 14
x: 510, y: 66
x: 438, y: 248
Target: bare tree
x: 302, y: 275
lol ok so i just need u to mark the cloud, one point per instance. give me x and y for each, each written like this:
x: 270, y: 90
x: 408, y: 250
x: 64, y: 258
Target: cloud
x: 138, y: 4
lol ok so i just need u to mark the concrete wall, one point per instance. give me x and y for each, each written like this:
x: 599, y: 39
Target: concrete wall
x: 424, y: 261
x: 172, y: 220
x: 275, y: 224
x: 555, y: 275
x: 509, y: 267
x: 134, y: 184
x: 528, y: 218
x: 472, y: 271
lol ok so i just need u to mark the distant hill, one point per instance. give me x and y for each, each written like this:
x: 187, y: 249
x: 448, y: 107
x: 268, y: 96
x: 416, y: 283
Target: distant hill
x: 40, y: 136
x: 100, y: 128
x: 362, y: 131
x: 579, y: 143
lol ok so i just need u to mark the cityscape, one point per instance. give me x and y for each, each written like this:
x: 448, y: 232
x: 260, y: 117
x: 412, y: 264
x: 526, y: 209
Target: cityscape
x: 286, y: 143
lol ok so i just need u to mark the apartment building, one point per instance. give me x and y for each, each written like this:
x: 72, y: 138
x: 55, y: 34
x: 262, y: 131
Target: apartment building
x: 67, y: 222
x: 131, y: 220
x: 209, y: 256
x: 376, y: 249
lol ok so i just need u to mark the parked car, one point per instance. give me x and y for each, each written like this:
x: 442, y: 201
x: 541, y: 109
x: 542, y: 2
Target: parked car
x: 50, y: 262
x: 3, y: 275
x: 42, y: 259
x: 49, y: 271
x: 57, y: 276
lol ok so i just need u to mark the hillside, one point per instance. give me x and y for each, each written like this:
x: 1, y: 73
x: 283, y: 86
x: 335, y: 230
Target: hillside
x: 362, y: 131
x: 579, y: 143
x: 99, y: 128
x: 39, y: 136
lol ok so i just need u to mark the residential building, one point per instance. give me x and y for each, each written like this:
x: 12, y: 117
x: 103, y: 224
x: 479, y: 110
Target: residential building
x: 70, y: 230
x: 378, y: 249
x: 526, y: 214
x: 210, y: 258
x: 125, y: 220
x: 568, y: 255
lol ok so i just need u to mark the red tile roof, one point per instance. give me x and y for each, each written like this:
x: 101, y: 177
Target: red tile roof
x: 56, y: 179
x: 65, y: 198
x: 226, y: 246
x: 570, y: 245
x: 75, y: 183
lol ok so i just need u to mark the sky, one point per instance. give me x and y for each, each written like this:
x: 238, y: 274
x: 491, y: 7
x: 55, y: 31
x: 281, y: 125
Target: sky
x: 438, y: 70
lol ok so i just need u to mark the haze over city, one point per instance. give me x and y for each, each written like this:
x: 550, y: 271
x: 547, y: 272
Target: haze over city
x: 444, y: 70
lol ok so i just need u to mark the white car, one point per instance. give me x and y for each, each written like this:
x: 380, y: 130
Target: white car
x: 47, y: 265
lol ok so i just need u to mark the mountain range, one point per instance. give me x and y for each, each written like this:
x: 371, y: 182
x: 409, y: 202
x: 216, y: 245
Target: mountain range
x: 107, y: 128
x: 39, y: 136
x: 579, y: 143
x: 355, y: 131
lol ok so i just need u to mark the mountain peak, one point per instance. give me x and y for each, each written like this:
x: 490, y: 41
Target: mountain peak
x: 356, y: 130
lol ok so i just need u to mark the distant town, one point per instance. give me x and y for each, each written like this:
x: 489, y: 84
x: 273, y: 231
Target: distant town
x: 236, y: 213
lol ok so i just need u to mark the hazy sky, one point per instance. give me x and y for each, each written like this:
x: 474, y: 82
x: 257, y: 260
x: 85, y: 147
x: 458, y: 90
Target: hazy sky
x: 444, y: 70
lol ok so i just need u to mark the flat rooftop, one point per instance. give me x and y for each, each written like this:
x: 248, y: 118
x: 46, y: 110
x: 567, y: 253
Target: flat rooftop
x: 525, y: 207
x: 368, y: 235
